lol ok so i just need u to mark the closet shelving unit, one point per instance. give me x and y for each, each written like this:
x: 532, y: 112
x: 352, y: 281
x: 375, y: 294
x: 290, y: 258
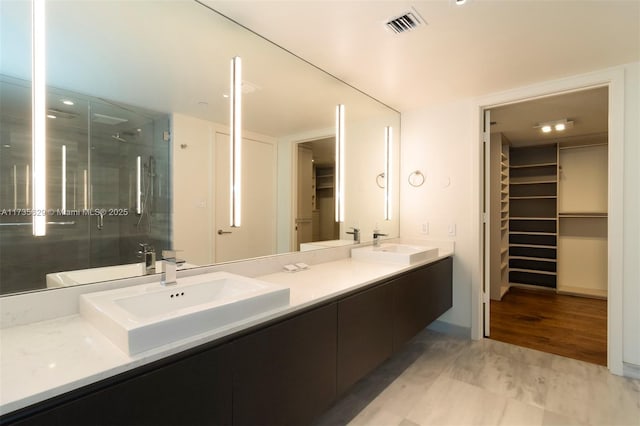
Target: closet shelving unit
x: 533, y: 218
x: 504, y: 218
x: 582, y: 214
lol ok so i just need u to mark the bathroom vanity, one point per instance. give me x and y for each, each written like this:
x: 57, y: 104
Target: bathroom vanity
x: 285, y: 369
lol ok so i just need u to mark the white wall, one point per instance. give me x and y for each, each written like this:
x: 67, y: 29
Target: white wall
x: 443, y: 141
x: 438, y: 142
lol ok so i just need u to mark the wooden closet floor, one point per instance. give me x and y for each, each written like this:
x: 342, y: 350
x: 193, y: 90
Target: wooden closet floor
x: 571, y: 326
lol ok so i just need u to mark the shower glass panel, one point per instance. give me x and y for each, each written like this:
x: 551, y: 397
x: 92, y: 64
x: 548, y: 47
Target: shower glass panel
x: 93, y: 178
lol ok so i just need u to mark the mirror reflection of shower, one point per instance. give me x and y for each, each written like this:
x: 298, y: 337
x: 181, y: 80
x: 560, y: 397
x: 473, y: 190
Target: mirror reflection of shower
x: 146, y: 177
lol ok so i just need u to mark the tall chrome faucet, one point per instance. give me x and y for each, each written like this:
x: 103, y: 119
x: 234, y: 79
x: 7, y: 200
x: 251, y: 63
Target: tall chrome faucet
x: 148, y: 254
x: 356, y: 235
x: 376, y: 237
x: 169, y: 266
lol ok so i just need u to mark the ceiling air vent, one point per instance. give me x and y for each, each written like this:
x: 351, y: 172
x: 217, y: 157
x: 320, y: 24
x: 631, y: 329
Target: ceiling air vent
x: 407, y: 22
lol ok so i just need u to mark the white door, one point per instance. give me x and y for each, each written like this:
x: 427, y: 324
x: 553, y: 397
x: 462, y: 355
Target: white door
x: 257, y: 234
x: 304, y: 211
x: 486, y: 252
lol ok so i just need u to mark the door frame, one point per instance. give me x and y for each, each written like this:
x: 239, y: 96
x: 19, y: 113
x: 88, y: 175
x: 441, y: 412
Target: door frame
x: 613, y: 78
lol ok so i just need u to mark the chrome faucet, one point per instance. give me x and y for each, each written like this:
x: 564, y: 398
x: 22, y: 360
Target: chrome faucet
x: 356, y: 235
x: 169, y: 265
x: 376, y: 237
x: 148, y: 254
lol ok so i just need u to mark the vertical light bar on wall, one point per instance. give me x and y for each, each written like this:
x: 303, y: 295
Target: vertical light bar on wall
x: 339, y: 190
x: 38, y: 117
x: 15, y: 187
x: 85, y: 190
x: 235, y: 148
x: 138, y: 185
x: 27, y: 185
x: 64, y: 179
x: 388, y: 143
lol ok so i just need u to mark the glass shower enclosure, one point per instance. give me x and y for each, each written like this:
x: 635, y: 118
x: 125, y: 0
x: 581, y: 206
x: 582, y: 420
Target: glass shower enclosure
x: 107, y: 185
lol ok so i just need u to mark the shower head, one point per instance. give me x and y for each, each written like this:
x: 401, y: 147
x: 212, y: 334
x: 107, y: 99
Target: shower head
x: 118, y: 138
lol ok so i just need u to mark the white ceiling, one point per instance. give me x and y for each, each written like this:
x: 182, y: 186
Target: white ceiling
x: 481, y: 47
x: 587, y: 109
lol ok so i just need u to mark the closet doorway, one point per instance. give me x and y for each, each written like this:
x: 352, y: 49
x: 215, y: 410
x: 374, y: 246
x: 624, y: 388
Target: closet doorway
x: 547, y: 240
x: 315, y: 195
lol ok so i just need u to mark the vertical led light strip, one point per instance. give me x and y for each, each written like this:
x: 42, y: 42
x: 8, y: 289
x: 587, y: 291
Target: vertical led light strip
x: 15, y: 187
x: 235, y: 148
x: 85, y: 189
x: 39, y: 111
x: 64, y: 179
x: 138, y: 185
x: 339, y: 190
x: 388, y: 143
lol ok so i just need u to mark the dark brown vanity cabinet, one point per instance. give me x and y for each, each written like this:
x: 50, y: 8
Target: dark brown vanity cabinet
x: 285, y: 374
x: 365, y: 340
x: 420, y: 297
x: 192, y: 391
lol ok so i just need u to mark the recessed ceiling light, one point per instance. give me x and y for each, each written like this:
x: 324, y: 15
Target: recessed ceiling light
x: 68, y: 102
x: 546, y: 129
x: 560, y: 127
x: 6, y: 145
x: 51, y: 116
x: 460, y: 2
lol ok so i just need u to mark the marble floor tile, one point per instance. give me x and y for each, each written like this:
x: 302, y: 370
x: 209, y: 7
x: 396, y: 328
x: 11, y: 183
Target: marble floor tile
x: 376, y: 416
x: 444, y: 380
x: 505, y: 376
x: 402, y: 395
x: 472, y: 406
x: 521, y: 414
x: 595, y: 399
x: 554, y: 419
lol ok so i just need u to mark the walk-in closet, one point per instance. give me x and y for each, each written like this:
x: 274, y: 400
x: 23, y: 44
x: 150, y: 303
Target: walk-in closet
x: 548, y: 183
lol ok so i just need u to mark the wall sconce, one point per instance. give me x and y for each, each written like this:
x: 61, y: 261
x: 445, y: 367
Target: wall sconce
x: 339, y: 190
x: 388, y: 142
x: 39, y: 117
x: 236, y: 142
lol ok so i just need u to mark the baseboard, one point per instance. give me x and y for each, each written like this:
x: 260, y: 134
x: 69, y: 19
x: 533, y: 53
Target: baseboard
x: 451, y: 329
x: 631, y: 370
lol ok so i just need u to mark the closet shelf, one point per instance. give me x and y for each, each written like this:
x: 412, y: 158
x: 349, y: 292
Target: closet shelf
x: 532, y: 218
x: 532, y: 271
x: 533, y: 246
x: 536, y: 259
x: 588, y: 215
x: 533, y: 182
x: 532, y: 233
x: 534, y: 197
x: 527, y: 166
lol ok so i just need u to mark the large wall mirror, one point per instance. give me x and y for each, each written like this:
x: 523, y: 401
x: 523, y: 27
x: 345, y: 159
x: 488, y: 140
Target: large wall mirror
x: 138, y: 136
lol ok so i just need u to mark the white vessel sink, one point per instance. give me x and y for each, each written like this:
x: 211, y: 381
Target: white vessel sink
x: 400, y: 254
x: 143, y: 317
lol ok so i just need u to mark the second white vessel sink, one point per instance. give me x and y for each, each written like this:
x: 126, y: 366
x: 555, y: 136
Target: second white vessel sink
x: 143, y: 317
x: 400, y: 254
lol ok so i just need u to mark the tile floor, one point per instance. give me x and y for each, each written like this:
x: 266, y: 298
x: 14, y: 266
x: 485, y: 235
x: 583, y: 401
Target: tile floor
x: 445, y: 380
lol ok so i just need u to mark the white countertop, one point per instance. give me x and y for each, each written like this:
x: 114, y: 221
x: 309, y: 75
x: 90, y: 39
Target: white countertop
x: 48, y: 358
